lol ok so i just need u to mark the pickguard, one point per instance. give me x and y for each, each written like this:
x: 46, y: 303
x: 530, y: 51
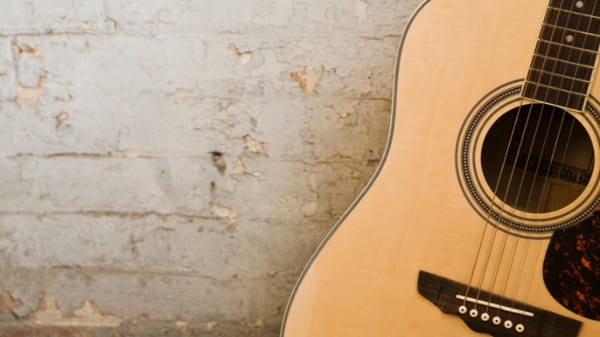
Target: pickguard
x: 572, y: 267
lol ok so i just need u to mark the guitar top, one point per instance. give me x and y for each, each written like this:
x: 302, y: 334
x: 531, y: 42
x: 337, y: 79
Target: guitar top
x: 484, y: 215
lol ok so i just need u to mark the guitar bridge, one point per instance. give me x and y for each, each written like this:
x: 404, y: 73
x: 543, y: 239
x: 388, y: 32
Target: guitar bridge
x: 491, y: 314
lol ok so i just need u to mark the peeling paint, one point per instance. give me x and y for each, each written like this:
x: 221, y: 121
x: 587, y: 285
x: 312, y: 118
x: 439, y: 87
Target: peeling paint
x: 90, y: 315
x: 36, y: 51
x: 239, y: 167
x: 8, y: 303
x: 48, y: 313
x: 210, y: 325
x: 222, y: 212
x: 254, y: 146
x: 308, y: 78
x: 31, y: 96
x: 61, y: 118
x: 245, y: 56
x: 259, y: 323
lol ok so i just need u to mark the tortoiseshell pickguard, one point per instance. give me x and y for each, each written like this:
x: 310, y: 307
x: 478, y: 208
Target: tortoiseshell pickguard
x: 572, y: 267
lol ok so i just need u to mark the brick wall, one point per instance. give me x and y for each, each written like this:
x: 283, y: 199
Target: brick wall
x: 167, y: 167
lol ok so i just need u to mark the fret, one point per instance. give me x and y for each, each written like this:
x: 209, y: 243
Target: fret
x: 566, y: 76
x: 560, y: 66
x: 570, y: 12
x: 559, y: 81
x: 570, y: 38
x: 590, y: 7
x: 551, y: 49
x: 554, y: 96
x: 567, y: 45
x: 566, y: 91
x: 565, y: 54
x: 571, y: 20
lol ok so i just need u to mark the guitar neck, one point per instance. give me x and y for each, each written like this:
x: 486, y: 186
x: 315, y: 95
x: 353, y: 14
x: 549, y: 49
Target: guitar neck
x: 565, y: 55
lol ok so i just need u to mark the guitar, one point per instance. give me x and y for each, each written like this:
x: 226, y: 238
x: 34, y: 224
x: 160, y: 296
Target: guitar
x: 482, y: 217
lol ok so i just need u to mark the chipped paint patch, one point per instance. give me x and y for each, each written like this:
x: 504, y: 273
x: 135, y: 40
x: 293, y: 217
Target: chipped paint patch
x: 48, y: 313
x: 259, y: 323
x: 90, y: 315
x: 30, y: 97
x: 223, y: 212
x: 61, y: 118
x: 210, y: 325
x: 254, y: 146
x: 245, y: 56
x: 8, y: 303
x: 239, y: 167
x: 308, y: 78
x: 36, y: 51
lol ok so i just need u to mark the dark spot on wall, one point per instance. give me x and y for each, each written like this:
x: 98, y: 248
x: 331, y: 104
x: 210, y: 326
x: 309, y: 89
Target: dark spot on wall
x: 219, y: 161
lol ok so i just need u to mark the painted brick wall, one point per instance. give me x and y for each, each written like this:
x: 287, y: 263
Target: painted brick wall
x: 168, y: 167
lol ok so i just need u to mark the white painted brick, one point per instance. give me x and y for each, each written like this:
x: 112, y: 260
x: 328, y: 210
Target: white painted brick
x: 196, y: 298
x: 298, y: 17
x: 110, y: 189
x: 204, y: 16
x: 8, y: 86
x: 109, y: 67
x: 57, y: 16
x: 91, y: 127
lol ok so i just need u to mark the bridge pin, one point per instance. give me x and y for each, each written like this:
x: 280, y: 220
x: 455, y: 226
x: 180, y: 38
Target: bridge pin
x: 520, y: 328
x: 508, y: 324
x: 496, y: 320
x: 462, y: 309
x: 485, y: 317
x: 473, y: 313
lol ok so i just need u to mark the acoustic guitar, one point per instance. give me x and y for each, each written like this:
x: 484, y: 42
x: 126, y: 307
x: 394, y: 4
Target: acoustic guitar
x: 482, y: 217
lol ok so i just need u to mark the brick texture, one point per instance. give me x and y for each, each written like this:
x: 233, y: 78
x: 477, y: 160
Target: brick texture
x: 168, y: 167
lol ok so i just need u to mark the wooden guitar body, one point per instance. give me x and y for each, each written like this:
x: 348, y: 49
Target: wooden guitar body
x: 417, y: 213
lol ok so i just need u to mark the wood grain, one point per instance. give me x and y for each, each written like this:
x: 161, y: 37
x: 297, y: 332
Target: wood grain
x: 414, y: 216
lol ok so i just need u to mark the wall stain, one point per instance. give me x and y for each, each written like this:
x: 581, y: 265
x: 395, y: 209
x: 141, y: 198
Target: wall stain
x: 308, y: 78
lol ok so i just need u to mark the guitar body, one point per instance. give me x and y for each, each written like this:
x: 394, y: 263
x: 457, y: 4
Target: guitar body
x: 415, y: 215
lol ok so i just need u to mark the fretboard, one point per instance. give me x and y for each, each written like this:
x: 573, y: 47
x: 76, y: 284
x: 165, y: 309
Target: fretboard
x: 565, y: 54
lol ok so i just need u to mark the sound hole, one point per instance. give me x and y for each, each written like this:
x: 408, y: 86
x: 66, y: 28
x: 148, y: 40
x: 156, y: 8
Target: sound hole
x: 537, y: 158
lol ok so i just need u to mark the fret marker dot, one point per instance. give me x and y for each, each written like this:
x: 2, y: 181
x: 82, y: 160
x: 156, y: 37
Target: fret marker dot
x: 569, y: 38
x: 579, y: 4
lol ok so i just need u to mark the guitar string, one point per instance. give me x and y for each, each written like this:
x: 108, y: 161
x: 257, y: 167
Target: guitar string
x: 570, y: 132
x: 507, y: 191
x: 563, y: 157
x: 487, y: 223
x: 591, y: 19
x: 505, y: 235
x: 517, y: 198
x: 496, y: 231
x: 530, y: 153
x: 504, y: 292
